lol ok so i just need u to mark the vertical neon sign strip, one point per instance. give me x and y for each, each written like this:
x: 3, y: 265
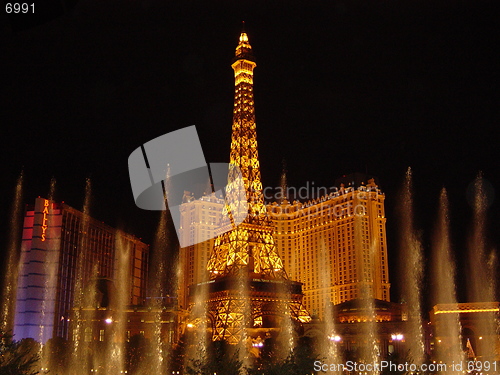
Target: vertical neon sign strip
x: 45, y: 218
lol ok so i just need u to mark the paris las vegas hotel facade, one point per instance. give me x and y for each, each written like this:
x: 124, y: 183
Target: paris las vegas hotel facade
x: 335, y: 244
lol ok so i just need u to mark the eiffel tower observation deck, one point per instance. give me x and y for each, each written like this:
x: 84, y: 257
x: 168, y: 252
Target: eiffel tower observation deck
x: 249, y: 293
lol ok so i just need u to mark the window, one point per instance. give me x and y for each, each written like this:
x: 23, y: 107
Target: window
x: 88, y: 334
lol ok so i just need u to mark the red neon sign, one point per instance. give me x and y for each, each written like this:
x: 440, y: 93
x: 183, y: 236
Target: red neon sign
x: 45, y: 218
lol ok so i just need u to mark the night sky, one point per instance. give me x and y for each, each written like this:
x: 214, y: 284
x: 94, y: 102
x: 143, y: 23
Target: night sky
x: 340, y: 87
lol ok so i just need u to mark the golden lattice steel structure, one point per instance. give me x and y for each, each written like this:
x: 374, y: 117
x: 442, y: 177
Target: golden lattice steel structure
x: 249, y: 288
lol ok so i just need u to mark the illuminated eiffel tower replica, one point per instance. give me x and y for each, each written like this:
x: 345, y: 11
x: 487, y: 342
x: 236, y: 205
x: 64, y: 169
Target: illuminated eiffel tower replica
x: 249, y: 293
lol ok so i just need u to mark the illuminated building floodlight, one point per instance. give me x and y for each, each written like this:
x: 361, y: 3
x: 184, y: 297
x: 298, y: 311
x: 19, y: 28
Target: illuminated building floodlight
x: 397, y: 337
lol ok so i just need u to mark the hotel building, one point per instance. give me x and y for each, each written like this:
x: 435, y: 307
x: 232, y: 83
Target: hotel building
x: 336, y: 244
x: 199, y: 220
x: 477, y: 323
x: 62, y: 250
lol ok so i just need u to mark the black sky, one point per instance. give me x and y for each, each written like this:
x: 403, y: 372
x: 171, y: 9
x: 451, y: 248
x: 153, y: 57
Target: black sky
x: 341, y: 86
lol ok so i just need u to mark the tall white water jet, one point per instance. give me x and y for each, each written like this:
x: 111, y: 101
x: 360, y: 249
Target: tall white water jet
x: 8, y: 299
x: 81, y: 322
x: 91, y: 302
x: 287, y: 337
x: 371, y: 350
x: 412, y: 269
x: 480, y: 284
x: 115, y: 351
x: 160, y: 281
x: 246, y: 320
x: 197, y: 333
x: 159, y: 293
x: 287, y: 334
x: 328, y: 351
x: 448, y: 340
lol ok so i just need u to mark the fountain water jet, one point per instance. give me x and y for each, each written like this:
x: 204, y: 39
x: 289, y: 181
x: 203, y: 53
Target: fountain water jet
x: 412, y: 267
x: 328, y: 346
x: 11, y: 267
x: 371, y: 351
x: 159, y: 288
x: 197, y: 338
x: 287, y: 337
x: 82, y: 320
x: 244, y: 298
x: 287, y: 334
x: 480, y: 285
x: 115, y: 344
x: 443, y: 278
x: 159, y: 292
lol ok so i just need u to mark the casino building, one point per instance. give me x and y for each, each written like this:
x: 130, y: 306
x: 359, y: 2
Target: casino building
x: 199, y: 220
x: 336, y: 244
x: 62, y: 251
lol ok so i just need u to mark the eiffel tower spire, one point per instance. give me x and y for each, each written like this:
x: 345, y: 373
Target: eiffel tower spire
x: 250, y: 246
x: 244, y: 152
x: 249, y: 287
